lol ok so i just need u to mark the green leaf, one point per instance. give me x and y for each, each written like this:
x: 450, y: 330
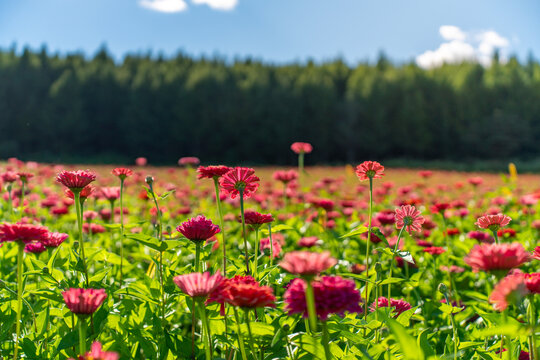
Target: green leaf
x: 392, y: 280
x: 422, y: 341
x: 408, y: 345
x: 277, y: 228
x: 68, y: 341
x: 448, y: 309
x: 358, y: 231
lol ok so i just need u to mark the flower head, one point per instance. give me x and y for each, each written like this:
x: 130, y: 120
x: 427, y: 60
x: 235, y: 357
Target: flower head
x: 285, y: 176
x: 75, y: 180
x: 141, y: 161
x: 493, y: 222
x: 83, y: 195
x: 24, y: 233
x: 256, y: 219
x: 110, y: 193
x: 399, y: 305
x: 189, y: 161
x: 212, y: 172
x: 239, y: 179
x: 9, y: 177
x: 198, y: 285
x: 198, y: 229
x: 54, y: 239
x: 369, y: 170
x: 510, y: 290
x: 34, y: 247
x: 122, y: 173
x: 250, y: 295
x: 301, y: 147
x: 488, y: 257
x: 84, y: 301
x: 333, y: 295
x: 536, y: 253
x: 96, y: 353
x: 24, y: 176
x: 307, y: 263
x: 409, y: 217
x: 434, y: 250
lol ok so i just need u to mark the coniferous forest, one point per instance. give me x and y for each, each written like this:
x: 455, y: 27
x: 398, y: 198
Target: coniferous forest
x: 76, y: 108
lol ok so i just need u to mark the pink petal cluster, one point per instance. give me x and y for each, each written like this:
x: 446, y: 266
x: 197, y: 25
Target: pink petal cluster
x: 488, y: 257
x: 409, y: 216
x: 198, y: 285
x: 493, y: 222
x: 211, y: 172
x: 285, y: 176
x: 122, y: 173
x: 198, y: 228
x: 399, y: 305
x: 239, y: 179
x: 75, y: 180
x: 333, y: 295
x: 25, y: 233
x: 509, y: 290
x: 96, y: 353
x: 84, y: 301
x: 110, y: 193
x: 252, y: 217
x: 369, y: 170
x: 307, y: 263
x: 189, y: 161
x: 301, y: 147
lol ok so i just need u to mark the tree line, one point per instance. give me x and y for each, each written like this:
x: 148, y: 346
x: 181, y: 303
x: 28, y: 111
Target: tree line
x: 77, y: 109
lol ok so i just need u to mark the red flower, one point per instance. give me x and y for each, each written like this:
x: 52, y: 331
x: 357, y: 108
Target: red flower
x: 307, y: 263
x: 9, y: 177
x: 211, y: 172
x: 326, y: 204
x: 333, y: 295
x: 493, y: 222
x: 301, y: 147
x: 410, y: 217
x: 24, y: 176
x: 35, y: 247
x: 122, y: 173
x: 399, y: 305
x: 141, y: 161
x: 197, y: 284
x: 439, y: 207
x: 369, y: 170
x: 536, y: 253
x: 198, y: 229
x: 221, y: 293
x: 83, y: 195
x: 189, y: 161
x: 285, y: 176
x: 487, y: 257
x: 251, y: 295
x: 308, y: 241
x: 239, y: 179
x: 96, y: 353
x: 425, y: 173
x: 54, y: 239
x: 509, y: 290
x: 434, y: 250
x: 84, y: 301
x: 532, y: 281
x: 22, y: 232
x: 75, y: 180
x: 264, y: 244
x: 110, y: 193
x: 256, y: 219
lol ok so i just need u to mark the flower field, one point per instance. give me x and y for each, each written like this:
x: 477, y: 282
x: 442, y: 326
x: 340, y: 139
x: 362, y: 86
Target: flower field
x: 216, y: 262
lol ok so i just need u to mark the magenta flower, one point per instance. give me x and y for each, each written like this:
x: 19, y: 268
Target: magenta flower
x: 198, y: 285
x: 198, y: 229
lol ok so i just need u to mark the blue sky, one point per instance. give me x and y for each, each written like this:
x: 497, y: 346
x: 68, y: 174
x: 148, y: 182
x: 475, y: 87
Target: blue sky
x: 427, y: 31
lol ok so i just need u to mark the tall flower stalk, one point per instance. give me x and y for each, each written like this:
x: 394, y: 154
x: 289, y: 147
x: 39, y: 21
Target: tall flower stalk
x: 122, y: 174
x: 78, y: 210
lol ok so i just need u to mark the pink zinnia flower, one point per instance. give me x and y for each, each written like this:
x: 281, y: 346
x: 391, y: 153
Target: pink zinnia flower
x: 307, y: 263
x: 211, y: 172
x: 256, y: 219
x: 333, y: 295
x: 189, y: 161
x: 510, y: 290
x: 434, y: 250
x: 251, y: 295
x: 301, y: 147
x: 96, y: 353
x: 198, y: 285
x: 54, y: 239
x: 22, y: 232
x: 141, y: 161
x: 536, y: 253
x: 409, y: 217
x: 308, y: 241
x: 9, y: 177
x: 493, y: 222
x: 399, y: 305
x: 34, y: 247
x: 75, y: 180
x: 83, y: 195
x: 369, y: 170
x: 198, y: 229
x: 110, y: 193
x: 265, y: 245
x: 24, y: 176
x: 122, y: 173
x: 239, y: 179
x: 84, y: 301
x: 487, y: 257
x: 285, y: 176
x: 221, y: 293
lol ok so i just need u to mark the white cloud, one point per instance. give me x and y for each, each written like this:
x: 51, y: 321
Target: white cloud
x: 450, y: 32
x: 224, y: 5
x: 463, y: 46
x: 166, y: 6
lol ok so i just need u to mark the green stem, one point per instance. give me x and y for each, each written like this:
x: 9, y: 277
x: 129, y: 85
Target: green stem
x: 533, y: 350
x: 241, y: 191
x: 10, y: 204
x: 222, y: 225
x: 300, y: 163
x: 508, y: 339
x: 271, y: 244
x: 197, y: 265
x: 495, y: 236
x: 78, y: 210
x: 21, y: 203
x: 326, y: 341
x: 310, y: 302
x: 250, y: 334
x: 82, y: 336
x: 396, y: 247
x: 208, y: 342
x: 256, y: 266
x: 121, y: 232
x: 367, y: 245
x: 240, y: 336
x: 20, y: 264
